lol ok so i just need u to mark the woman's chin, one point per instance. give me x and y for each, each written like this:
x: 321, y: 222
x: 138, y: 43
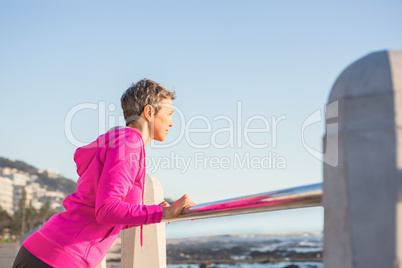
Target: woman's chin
x: 160, y: 138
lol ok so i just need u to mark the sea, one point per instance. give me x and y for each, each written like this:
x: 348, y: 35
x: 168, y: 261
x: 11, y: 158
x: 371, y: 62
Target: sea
x: 296, y: 242
x: 241, y: 246
x: 255, y: 265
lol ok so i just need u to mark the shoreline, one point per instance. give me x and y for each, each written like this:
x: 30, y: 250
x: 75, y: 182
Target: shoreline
x: 259, y: 260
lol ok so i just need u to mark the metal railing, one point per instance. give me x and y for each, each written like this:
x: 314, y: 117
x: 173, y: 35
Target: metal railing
x: 298, y: 197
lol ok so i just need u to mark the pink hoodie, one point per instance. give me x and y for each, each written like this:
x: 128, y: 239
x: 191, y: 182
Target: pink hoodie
x: 108, y: 198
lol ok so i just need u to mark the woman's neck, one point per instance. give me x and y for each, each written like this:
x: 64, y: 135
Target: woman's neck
x: 143, y: 128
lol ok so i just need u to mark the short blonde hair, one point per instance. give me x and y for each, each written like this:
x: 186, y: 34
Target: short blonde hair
x: 144, y: 92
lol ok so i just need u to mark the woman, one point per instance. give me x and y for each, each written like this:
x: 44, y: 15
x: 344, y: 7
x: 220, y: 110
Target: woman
x: 109, y: 193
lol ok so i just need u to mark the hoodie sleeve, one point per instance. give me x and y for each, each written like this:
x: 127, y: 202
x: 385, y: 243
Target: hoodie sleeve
x: 117, y: 179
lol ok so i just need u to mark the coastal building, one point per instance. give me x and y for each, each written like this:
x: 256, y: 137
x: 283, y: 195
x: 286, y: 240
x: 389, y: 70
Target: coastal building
x: 38, y: 194
x: 56, y: 199
x: 20, y: 179
x: 13, y: 184
x: 6, y: 194
x: 50, y: 173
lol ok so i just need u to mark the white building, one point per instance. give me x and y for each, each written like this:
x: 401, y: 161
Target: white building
x: 6, y: 194
x: 35, y: 194
x: 36, y: 189
x: 14, y: 182
x: 57, y: 199
x: 18, y: 189
x: 6, y: 171
x: 20, y: 179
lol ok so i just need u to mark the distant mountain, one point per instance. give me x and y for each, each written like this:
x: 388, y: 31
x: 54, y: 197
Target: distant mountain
x: 53, y: 181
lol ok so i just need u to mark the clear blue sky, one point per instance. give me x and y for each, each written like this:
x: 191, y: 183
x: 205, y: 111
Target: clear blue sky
x: 274, y: 58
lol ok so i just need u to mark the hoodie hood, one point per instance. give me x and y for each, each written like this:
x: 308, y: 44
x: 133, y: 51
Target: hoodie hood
x: 84, y: 155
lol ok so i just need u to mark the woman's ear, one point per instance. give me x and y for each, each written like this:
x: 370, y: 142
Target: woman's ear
x: 148, y: 112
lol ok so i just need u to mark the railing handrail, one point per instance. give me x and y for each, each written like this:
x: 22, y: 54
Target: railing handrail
x: 290, y: 198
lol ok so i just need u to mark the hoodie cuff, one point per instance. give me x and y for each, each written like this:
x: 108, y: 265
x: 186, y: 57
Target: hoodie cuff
x: 154, y: 214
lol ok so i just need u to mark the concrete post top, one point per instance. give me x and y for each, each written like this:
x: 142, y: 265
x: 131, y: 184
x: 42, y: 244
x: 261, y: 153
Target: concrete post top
x: 370, y: 74
x: 367, y: 93
x: 154, y: 191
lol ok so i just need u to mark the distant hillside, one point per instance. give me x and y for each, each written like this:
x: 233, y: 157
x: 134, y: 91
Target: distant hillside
x: 59, y: 182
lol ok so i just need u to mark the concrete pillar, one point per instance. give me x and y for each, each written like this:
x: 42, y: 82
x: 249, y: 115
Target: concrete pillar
x: 153, y: 252
x: 362, y: 192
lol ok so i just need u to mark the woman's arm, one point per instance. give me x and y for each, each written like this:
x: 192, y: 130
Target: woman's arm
x: 117, y: 179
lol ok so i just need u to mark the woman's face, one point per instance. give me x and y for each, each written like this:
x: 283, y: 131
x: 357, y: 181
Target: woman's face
x: 162, y: 120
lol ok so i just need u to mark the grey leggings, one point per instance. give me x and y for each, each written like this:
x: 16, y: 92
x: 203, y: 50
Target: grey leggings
x: 26, y: 259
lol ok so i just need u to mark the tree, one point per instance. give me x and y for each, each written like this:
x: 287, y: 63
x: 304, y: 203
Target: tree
x: 25, y: 217
x: 45, y: 212
x: 18, y: 226
x: 5, y: 219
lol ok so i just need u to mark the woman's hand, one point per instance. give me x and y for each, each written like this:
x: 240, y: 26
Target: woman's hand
x: 180, y: 207
x: 165, y: 204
